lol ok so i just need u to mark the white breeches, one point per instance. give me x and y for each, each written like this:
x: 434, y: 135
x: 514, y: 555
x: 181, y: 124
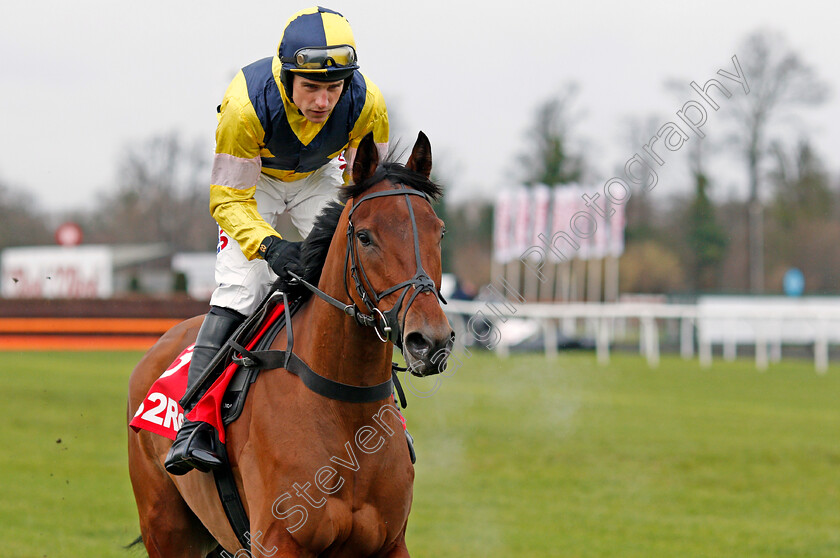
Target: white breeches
x: 242, y: 284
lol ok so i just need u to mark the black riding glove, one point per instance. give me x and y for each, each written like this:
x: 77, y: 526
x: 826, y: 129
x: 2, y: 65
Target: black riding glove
x: 281, y: 255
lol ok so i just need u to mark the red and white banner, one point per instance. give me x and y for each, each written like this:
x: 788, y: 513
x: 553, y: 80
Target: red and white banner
x: 567, y: 203
x: 522, y: 222
x: 502, y: 227
x: 523, y: 215
x: 541, y: 209
x: 57, y: 272
x: 512, y: 224
x: 618, y: 223
x: 599, y: 244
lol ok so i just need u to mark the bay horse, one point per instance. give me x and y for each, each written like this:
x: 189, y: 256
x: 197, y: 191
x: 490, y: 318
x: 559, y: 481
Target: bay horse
x: 288, y: 437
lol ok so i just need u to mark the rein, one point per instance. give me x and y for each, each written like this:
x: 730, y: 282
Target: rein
x: 288, y: 360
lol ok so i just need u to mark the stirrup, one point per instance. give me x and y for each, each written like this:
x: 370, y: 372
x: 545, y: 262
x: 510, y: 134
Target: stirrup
x: 183, y: 457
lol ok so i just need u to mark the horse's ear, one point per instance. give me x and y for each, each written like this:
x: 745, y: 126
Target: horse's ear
x: 421, y: 156
x: 366, y: 160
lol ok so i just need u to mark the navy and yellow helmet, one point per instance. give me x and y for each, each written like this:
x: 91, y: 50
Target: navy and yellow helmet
x: 318, y: 44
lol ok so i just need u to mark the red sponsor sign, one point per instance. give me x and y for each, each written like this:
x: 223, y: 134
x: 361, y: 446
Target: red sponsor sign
x: 68, y: 234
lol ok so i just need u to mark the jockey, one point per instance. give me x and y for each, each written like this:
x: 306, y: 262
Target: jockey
x: 289, y: 126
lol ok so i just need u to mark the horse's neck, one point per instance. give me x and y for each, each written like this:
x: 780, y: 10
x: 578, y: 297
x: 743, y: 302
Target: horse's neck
x: 331, y: 342
x: 335, y: 346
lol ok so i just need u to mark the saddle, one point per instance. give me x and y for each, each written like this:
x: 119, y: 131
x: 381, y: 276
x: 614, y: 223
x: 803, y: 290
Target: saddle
x: 256, y: 333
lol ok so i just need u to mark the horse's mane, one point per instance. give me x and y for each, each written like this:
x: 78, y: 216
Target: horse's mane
x: 316, y: 246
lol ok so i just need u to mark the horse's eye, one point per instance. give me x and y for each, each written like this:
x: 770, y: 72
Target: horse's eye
x: 364, y: 238
x: 443, y: 232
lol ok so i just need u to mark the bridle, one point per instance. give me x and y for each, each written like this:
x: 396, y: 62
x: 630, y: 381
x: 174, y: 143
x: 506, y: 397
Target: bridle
x: 386, y: 324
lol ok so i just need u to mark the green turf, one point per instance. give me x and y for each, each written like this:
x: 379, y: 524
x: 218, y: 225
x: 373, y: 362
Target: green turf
x: 65, y: 488
x: 517, y: 457
x: 526, y: 458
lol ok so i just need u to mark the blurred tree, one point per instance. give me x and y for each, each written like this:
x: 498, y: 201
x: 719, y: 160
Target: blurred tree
x: 444, y: 212
x: 643, y: 220
x: 469, y: 241
x: 650, y: 263
x: 802, y: 228
x: 815, y: 254
x: 779, y: 81
x: 734, y: 273
x: 162, y: 195
x: 20, y: 224
x: 801, y: 184
x: 702, y: 241
x: 651, y: 267
x: 548, y: 158
x: 706, y: 239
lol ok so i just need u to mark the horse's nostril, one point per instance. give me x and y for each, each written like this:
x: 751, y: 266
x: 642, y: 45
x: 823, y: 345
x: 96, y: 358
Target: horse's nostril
x: 417, y: 344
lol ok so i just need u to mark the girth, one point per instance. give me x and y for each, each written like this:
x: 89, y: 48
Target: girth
x: 288, y: 360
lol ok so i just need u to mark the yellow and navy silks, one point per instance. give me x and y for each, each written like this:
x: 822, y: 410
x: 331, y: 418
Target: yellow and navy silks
x: 261, y: 130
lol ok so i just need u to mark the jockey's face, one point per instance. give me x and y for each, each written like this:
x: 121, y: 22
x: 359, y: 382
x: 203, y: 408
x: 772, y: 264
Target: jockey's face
x: 315, y: 99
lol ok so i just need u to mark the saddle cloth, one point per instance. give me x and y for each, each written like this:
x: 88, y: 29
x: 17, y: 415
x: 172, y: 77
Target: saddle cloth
x: 161, y: 413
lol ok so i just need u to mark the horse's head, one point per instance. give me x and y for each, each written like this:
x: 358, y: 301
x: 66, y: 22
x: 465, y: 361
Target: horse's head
x: 394, y: 262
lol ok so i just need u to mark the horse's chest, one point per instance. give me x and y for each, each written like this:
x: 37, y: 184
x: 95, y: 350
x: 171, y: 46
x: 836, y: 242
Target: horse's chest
x: 358, y: 512
x: 362, y: 531
x: 341, y: 488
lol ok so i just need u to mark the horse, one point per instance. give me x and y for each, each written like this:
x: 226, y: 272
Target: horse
x: 288, y: 438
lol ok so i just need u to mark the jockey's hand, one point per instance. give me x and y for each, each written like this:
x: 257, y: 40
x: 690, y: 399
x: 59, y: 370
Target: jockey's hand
x: 281, y: 255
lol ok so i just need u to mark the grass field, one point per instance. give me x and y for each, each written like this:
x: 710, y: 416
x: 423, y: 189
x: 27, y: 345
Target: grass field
x: 522, y: 457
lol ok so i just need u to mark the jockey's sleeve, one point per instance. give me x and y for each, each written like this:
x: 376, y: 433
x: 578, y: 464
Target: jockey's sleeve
x: 373, y: 118
x: 236, y: 168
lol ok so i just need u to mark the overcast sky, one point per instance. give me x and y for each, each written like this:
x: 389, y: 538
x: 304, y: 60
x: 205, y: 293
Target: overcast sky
x: 82, y: 80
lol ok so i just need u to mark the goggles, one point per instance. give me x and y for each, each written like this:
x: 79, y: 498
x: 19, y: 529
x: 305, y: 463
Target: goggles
x: 321, y: 58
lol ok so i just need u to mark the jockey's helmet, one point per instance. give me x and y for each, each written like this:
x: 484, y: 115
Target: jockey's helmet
x: 317, y: 44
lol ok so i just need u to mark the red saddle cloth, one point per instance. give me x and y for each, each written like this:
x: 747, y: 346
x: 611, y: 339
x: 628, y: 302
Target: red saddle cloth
x: 160, y: 411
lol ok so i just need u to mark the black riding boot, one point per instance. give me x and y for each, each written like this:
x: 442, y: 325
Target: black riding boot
x: 194, y: 446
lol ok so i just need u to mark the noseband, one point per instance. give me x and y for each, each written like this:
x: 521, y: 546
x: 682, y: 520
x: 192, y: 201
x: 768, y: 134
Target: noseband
x: 386, y: 324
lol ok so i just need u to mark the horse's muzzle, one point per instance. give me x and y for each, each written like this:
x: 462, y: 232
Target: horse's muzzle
x: 426, y: 354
